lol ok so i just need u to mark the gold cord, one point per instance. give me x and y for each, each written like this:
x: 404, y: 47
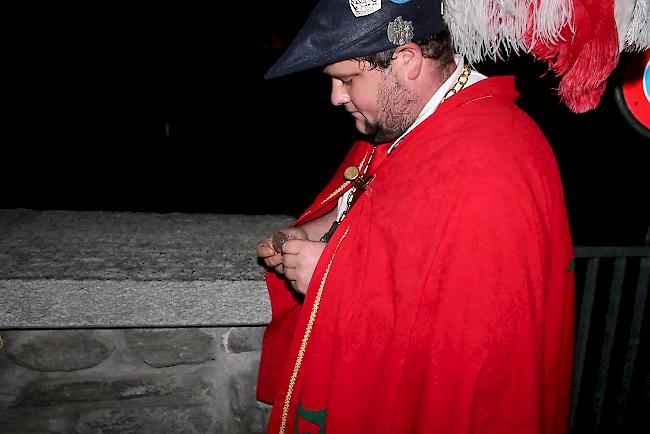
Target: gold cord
x: 305, y: 339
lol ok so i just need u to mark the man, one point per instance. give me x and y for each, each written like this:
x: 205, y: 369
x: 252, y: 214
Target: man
x: 435, y: 266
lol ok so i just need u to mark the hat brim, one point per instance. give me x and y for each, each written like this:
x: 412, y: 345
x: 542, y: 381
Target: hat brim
x: 332, y: 33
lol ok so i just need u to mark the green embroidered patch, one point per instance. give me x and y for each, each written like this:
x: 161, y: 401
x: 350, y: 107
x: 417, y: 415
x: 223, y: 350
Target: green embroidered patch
x: 315, y: 418
x: 572, y: 265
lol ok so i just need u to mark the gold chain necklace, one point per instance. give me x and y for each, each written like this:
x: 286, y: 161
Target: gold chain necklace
x: 460, y: 83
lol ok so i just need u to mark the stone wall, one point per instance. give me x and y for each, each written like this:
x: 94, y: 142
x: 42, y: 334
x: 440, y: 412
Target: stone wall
x: 180, y: 380
x: 131, y: 323
x: 152, y: 323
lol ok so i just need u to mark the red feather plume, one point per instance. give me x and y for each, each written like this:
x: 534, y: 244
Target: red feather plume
x: 585, y: 54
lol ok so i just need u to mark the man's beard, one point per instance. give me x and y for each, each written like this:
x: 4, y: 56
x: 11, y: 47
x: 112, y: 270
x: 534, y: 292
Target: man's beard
x: 396, y: 110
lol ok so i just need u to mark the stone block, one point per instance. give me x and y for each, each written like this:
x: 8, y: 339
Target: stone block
x: 179, y: 388
x: 58, y: 350
x: 132, y: 246
x: 65, y: 269
x: 23, y: 421
x: 12, y: 380
x: 182, y: 419
x: 170, y: 347
x: 243, y: 339
x: 250, y: 414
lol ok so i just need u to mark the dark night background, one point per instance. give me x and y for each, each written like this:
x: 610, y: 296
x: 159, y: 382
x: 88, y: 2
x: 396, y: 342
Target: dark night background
x: 165, y: 110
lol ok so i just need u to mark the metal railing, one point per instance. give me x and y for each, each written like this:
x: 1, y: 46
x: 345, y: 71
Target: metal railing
x: 610, y: 374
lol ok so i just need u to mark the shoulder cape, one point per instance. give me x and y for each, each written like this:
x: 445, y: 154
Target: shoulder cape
x: 443, y: 302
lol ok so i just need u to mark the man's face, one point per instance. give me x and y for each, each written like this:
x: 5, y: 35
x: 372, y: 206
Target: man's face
x: 382, y: 107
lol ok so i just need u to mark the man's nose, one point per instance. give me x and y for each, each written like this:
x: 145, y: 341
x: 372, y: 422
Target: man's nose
x: 339, y: 95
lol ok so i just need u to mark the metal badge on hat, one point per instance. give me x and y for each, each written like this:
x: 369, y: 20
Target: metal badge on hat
x: 361, y: 8
x: 400, y: 32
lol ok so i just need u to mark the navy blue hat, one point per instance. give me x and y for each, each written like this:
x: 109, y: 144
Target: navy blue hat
x: 346, y: 29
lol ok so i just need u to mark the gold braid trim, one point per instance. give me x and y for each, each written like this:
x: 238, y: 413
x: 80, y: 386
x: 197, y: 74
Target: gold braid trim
x: 305, y: 339
x: 346, y: 183
x: 337, y: 191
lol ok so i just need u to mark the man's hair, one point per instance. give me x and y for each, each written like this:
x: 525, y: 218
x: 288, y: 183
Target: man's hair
x: 437, y: 47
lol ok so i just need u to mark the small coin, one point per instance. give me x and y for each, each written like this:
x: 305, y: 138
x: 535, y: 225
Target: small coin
x: 279, y: 238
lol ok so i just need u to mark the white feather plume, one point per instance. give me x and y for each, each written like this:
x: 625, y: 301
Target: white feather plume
x: 632, y: 18
x: 484, y: 29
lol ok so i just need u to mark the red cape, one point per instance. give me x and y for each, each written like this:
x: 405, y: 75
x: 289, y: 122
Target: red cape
x: 444, y: 302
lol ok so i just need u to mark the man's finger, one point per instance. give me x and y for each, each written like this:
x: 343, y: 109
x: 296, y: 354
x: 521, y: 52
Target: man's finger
x: 290, y: 260
x: 264, y: 248
x: 273, y: 261
x: 264, y: 251
x: 293, y: 247
x: 290, y: 273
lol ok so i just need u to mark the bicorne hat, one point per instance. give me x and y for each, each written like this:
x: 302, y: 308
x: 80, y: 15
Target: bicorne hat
x: 345, y: 29
x: 579, y: 39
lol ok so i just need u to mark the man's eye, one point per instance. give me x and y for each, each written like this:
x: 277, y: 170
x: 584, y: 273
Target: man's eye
x: 347, y: 82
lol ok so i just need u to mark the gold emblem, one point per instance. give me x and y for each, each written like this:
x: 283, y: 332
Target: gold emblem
x: 352, y: 174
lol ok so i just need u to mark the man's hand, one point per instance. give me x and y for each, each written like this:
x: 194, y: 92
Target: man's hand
x: 299, y: 258
x: 272, y: 257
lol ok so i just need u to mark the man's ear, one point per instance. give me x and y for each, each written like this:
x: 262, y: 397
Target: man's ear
x: 409, y: 59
